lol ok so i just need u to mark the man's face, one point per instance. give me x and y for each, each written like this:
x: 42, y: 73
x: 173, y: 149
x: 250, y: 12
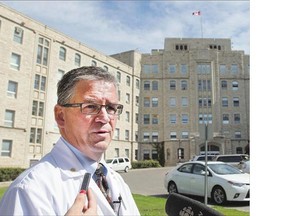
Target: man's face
x: 91, y: 134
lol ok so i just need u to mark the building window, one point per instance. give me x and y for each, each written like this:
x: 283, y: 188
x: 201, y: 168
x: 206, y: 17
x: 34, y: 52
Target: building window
x: 42, y: 52
x: 237, y: 134
x: 172, y: 85
x: 146, y: 119
x: 116, y: 152
x: 184, y: 69
x: 224, y: 102
x: 184, y: 101
x: 62, y: 53
x: 223, y: 84
x: 155, y: 119
x: 146, y: 136
x: 172, y: 68
x: 154, y: 102
x: 77, y: 60
x: 38, y: 108
x: 234, y: 68
x: 6, y: 148
x: 18, y: 35
x: 127, y: 98
x: 235, y: 101
x: 203, y: 68
x: 60, y: 74
x: 137, y: 100
x: 137, y: 83
x: 185, y: 135
x: 225, y: 118
x: 40, y: 82
x: 184, y: 85
x: 15, y: 61
x: 128, y: 81
x: 222, y: 68
x: 204, y: 85
x: 12, y: 89
x: 118, y: 76
x: 236, y: 118
x: 126, y: 134
x: 146, y: 85
x: 234, y: 85
x: 146, y: 69
x: 146, y: 154
x: 155, y: 136
x: 127, y: 116
x: 36, y: 135
x: 173, y: 118
x: 154, y: 68
x: 136, y: 118
x: 117, y: 134
x: 9, y: 118
x: 172, y: 101
x: 93, y: 63
x: 155, y: 85
x: 185, y: 119
x: 146, y: 102
x: 173, y: 135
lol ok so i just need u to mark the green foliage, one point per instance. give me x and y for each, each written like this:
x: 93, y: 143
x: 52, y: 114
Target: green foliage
x: 145, y: 164
x: 9, y: 174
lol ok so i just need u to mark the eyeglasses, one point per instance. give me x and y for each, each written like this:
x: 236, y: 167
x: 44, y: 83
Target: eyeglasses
x: 94, y: 109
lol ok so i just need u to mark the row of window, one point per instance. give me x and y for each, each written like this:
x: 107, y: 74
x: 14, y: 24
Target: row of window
x: 234, y: 84
x: 154, y: 136
x: 202, y: 68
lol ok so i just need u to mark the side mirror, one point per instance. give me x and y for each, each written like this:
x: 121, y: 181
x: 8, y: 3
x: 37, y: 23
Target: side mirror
x: 203, y: 172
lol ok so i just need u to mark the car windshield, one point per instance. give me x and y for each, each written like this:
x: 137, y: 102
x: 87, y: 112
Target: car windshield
x: 224, y: 169
x: 109, y: 160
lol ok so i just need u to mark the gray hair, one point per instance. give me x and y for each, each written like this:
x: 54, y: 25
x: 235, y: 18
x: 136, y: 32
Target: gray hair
x: 65, y: 86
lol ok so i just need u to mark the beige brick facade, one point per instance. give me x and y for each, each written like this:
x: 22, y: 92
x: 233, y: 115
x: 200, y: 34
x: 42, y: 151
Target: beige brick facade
x: 167, y: 114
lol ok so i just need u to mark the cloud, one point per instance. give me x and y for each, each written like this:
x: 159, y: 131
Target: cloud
x: 116, y: 26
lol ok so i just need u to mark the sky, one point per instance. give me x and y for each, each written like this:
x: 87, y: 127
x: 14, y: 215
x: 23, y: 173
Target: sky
x: 117, y: 26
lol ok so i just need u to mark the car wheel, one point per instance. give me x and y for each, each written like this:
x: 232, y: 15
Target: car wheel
x: 218, y: 195
x: 126, y: 169
x: 172, y: 188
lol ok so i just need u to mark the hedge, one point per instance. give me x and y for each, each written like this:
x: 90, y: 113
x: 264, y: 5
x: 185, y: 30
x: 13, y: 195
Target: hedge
x: 9, y: 174
x: 145, y: 164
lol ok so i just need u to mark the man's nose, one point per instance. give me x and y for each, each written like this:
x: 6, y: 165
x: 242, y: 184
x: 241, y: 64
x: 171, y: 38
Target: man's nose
x: 103, y: 116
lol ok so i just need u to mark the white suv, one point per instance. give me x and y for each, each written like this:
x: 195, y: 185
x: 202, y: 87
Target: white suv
x: 119, y: 163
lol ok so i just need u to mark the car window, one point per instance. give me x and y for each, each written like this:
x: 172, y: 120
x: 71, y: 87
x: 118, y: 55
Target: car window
x: 198, y: 168
x: 126, y: 159
x: 186, y: 168
x: 108, y: 160
x: 121, y: 160
x: 224, y: 169
x: 115, y: 161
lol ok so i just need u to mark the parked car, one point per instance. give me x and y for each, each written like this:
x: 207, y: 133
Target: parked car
x: 119, y: 163
x: 225, y: 182
x: 202, y: 158
x: 244, y: 166
x: 232, y: 159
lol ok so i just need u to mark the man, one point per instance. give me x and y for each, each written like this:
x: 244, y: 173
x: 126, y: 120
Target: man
x: 86, y: 114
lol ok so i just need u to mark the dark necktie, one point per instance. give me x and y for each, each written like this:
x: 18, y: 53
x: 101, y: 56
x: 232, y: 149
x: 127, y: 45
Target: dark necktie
x: 103, y: 184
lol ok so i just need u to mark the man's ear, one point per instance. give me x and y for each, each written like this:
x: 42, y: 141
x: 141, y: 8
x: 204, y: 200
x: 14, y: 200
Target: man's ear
x: 59, y: 116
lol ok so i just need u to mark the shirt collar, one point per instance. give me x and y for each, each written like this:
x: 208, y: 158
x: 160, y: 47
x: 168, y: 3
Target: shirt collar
x: 88, y: 164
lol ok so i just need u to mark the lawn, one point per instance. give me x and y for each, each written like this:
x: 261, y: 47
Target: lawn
x: 155, y: 206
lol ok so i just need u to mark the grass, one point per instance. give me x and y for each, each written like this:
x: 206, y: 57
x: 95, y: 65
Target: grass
x: 155, y: 206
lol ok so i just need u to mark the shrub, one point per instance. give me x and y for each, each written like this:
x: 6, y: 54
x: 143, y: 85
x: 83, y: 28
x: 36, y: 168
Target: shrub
x: 9, y: 174
x: 145, y: 164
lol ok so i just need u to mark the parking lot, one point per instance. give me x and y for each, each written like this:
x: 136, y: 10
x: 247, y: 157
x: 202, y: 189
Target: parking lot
x: 150, y: 182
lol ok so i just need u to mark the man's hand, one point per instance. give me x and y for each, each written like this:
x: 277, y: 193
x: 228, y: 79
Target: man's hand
x: 79, y: 207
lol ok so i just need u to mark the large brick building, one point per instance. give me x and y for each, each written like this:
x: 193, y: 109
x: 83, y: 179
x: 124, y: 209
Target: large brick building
x: 168, y: 95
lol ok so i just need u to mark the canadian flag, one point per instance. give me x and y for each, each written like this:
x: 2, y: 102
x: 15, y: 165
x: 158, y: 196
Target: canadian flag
x: 196, y: 13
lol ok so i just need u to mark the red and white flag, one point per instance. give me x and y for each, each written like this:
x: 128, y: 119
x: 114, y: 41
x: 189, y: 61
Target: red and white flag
x: 196, y: 13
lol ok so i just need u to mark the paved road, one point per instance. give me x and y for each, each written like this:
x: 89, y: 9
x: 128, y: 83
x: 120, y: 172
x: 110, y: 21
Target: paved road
x: 150, y: 182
